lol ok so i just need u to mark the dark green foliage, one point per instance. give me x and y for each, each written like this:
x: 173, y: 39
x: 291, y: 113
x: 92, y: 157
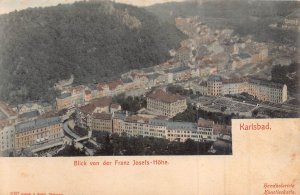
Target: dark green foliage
x: 222, y: 147
x: 254, y: 113
x: 244, y: 96
x: 71, y: 150
x: 189, y: 115
x: 177, y: 89
x: 80, y: 131
x: 41, y: 46
x: 245, y: 18
x: 278, y: 114
x: 192, y: 114
x: 288, y: 75
x: 131, y: 104
x: 124, y: 145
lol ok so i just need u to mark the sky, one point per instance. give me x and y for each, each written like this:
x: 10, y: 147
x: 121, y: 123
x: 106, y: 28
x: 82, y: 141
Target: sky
x: 11, y: 5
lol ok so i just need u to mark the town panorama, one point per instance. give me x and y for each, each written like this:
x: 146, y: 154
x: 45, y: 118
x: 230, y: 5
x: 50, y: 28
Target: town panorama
x: 181, y: 106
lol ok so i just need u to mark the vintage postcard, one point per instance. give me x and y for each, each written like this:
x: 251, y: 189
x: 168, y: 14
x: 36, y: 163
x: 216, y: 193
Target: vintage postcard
x: 149, y: 97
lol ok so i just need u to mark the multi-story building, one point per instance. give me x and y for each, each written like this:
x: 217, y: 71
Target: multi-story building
x: 134, y: 125
x: 7, y: 138
x: 118, y: 123
x: 292, y: 21
x: 205, y: 129
x: 214, y: 85
x: 165, y: 104
x: 115, y: 87
x: 181, y: 131
x: 84, y: 115
x: 31, y: 132
x: 102, y: 90
x: 234, y: 86
x: 97, y: 115
x: 263, y: 90
x: 64, y: 101
x: 102, y: 122
x: 180, y: 73
x: 267, y: 91
x: 76, y: 96
x: 157, y: 128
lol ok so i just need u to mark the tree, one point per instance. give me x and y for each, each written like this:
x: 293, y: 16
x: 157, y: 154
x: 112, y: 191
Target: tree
x: 254, y: 113
x: 102, y: 48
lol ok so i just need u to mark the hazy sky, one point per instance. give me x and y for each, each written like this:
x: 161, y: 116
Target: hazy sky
x: 11, y: 5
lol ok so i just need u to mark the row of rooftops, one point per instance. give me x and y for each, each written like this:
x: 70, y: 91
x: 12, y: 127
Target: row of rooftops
x: 163, y: 96
x: 267, y: 83
x: 102, y: 116
x: 149, y: 73
x: 98, y: 103
x: 251, y: 80
x: 173, y: 125
x: 37, y: 124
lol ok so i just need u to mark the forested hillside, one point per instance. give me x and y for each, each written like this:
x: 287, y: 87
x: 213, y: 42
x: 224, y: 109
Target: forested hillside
x: 94, y: 41
x: 246, y: 18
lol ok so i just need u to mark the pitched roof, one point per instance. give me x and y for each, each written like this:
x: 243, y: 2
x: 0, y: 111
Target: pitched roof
x: 136, y: 119
x: 88, y: 92
x: 101, y: 86
x: 78, y: 89
x: 205, y: 123
x: 36, y: 124
x: 31, y: 114
x: 114, y: 84
x: 267, y: 83
x: 235, y: 80
x: 102, y: 102
x: 182, y: 125
x: 88, y: 109
x: 103, y: 116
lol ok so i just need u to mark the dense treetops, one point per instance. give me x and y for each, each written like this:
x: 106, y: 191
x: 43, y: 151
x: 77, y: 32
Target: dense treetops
x: 94, y: 41
x: 246, y: 18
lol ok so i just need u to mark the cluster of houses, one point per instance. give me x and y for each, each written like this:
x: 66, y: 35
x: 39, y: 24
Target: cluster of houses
x: 163, y: 74
x: 198, y: 61
x: 27, y: 125
x: 217, y: 51
x: 104, y: 115
x: 290, y: 22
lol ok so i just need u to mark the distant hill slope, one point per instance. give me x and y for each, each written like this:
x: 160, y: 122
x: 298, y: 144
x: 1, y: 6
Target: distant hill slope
x: 245, y: 18
x: 94, y: 41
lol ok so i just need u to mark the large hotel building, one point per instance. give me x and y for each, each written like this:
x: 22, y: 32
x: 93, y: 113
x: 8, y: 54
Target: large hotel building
x: 165, y: 104
x: 264, y: 90
x: 31, y: 132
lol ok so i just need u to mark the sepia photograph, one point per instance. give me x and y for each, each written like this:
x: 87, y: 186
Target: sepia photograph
x: 143, y: 77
